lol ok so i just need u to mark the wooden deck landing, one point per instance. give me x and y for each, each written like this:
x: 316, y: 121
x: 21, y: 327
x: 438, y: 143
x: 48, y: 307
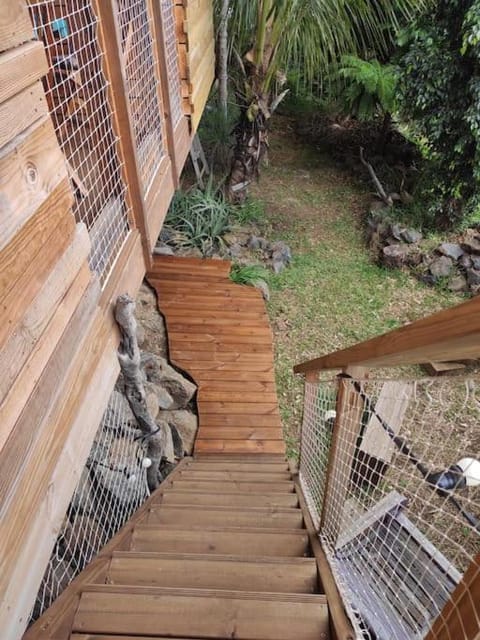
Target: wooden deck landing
x: 219, y: 333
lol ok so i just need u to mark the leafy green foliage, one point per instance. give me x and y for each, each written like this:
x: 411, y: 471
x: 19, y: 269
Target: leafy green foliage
x: 200, y: 219
x: 249, y: 274
x: 370, y: 87
x: 439, y: 86
x: 249, y: 212
x: 216, y: 133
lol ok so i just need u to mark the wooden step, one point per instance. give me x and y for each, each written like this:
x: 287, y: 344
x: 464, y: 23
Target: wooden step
x: 240, y: 446
x: 225, y: 541
x: 230, y: 499
x: 260, y: 517
x: 191, y: 265
x: 191, y: 473
x: 239, y: 433
x: 229, y: 486
x: 232, y: 465
x: 239, y: 573
x: 204, y: 613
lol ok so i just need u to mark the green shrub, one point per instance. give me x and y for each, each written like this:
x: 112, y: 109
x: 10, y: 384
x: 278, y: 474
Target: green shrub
x: 249, y: 212
x: 439, y: 86
x: 248, y: 275
x: 200, y: 218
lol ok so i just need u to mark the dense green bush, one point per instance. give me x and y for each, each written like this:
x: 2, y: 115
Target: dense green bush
x: 439, y: 95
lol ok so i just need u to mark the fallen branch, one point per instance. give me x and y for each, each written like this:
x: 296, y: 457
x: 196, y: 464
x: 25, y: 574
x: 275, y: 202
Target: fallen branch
x: 129, y: 358
x: 378, y: 185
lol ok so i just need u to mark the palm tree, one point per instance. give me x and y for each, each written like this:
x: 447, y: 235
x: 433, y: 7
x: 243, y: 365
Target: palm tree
x: 272, y: 36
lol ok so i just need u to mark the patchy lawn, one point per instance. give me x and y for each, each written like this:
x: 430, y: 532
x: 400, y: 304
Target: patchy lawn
x: 332, y: 296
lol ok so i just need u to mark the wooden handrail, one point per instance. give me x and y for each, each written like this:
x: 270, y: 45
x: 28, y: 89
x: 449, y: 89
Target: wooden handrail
x: 452, y: 334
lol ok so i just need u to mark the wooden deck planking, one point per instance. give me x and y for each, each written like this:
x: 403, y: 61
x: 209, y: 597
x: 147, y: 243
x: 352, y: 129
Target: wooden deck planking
x: 219, y: 332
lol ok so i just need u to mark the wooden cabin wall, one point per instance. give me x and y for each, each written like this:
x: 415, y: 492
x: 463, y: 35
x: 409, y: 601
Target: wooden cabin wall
x: 195, y: 33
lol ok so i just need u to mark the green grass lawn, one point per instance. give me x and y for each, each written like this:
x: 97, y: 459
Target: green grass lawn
x: 332, y: 296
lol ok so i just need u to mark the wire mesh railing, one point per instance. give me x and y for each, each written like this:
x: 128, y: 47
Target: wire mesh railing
x: 391, y: 474
x: 142, y: 86
x: 112, y: 486
x: 171, y: 56
x: 77, y: 94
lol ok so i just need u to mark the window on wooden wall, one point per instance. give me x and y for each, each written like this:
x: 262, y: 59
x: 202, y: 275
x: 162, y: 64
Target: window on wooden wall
x: 77, y: 94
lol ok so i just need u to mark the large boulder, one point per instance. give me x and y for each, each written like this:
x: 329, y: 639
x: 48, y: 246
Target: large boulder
x: 441, y: 267
x: 186, y: 424
x: 451, y: 250
x: 160, y: 373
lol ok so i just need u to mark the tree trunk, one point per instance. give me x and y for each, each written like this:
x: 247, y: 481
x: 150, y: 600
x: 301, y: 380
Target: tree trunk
x: 250, y: 149
x: 223, y: 57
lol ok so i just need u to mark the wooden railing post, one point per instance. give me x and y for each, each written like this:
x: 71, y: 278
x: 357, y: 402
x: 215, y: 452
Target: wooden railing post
x: 161, y: 61
x: 342, y: 451
x: 113, y: 70
x: 460, y: 617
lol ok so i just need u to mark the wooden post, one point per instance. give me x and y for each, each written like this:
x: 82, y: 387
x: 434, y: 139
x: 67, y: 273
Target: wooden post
x: 460, y: 617
x: 161, y: 62
x: 342, y: 452
x: 117, y: 93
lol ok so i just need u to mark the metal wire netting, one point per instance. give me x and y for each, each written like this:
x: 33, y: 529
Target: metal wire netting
x: 112, y: 486
x: 394, y: 488
x: 142, y: 85
x: 171, y: 54
x: 77, y: 95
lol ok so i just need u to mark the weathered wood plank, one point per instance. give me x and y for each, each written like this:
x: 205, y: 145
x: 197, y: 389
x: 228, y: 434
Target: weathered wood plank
x: 15, y: 25
x: 21, y: 67
x: 239, y: 446
x: 31, y: 168
x: 20, y: 111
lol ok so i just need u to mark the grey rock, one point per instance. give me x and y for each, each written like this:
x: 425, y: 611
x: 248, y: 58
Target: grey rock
x: 177, y: 440
x: 84, y: 538
x: 458, y: 284
x: 83, y: 499
x: 257, y: 244
x: 162, y: 397
x: 263, y: 286
x: 465, y: 261
x: 396, y: 231
x: 441, y: 267
x: 166, y: 235
x: 121, y: 484
x: 159, y: 372
x: 475, y: 262
x: 473, y: 277
x: 278, y: 266
x: 168, y: 446
x: 235, y: 250
x: 471, y: 241
x: 163, y: 250
x: 395, y: 255
x: 140, y: 335
x: 411, y: 236
x: 451, y: 250
x: 427, y: 279
x: 186, y: 423
x: 281, y: 251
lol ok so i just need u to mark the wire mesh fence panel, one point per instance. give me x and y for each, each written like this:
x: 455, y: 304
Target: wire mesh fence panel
x: 171, y: 56
x: 400, y: 512
x: 76, y: 91
x: 142, y: 86
x: 112, y: 486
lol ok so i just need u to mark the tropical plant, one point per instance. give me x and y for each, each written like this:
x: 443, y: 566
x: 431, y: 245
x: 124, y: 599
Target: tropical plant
x: 369, y: 90
x: 439, y: 87
x: 199, y: 218
x: 272, y: 36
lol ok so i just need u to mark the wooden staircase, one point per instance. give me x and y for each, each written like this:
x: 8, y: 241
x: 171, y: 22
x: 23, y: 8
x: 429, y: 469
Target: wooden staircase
x: 229, y: 558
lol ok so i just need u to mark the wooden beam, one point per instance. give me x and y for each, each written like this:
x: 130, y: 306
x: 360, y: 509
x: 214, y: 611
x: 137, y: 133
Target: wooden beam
x: 109, y: 43
x: 20, y: 111
x: 452, y: 334
x: 460, y: 617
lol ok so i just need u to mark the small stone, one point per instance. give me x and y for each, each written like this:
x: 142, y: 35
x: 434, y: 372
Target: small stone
x: 441, y: 267
x: 168, y: 446
x: 475, y: 262
x: 471, y: 241
x: 177, y: 440
x: 411, y: 236
x: 458, y: 284
x: 473, y: 277
x: 161, y: 374
x: 395, y: 255
x: 163, y: 250
x: 263, y: 286
x: 256, y: 244
x: 465, y: 261
x: 186, y: 424
x: 235, y: 250
x: 396, y: 231
x: 451, y: 250
x: 278, y: 266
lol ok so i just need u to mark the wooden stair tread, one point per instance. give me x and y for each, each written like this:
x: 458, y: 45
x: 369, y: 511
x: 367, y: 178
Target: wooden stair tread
x: 229, y: 499
x: 239, y: 433
x: 232, y: 465
x: 243, y: 486
x: 253, y: 476
x: 206, y: 613
x: 279, y: 575
x: 240, y: 446
x: 223, y: 516
x: 220, y: 540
